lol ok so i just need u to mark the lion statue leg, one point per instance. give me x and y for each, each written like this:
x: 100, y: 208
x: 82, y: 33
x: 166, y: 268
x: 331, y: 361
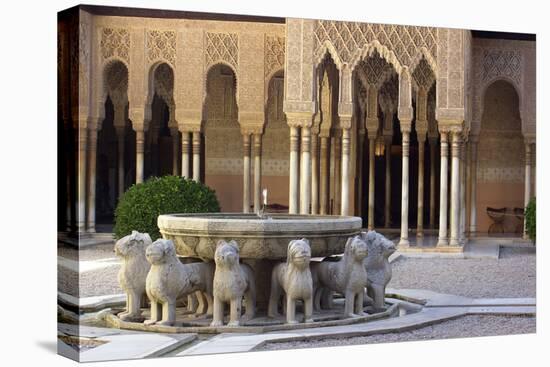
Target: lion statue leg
x: 133, y: 306
x: 349, y: 304
x: 290, y: 310
x: 359, y: 304
x: 235, y: 311
x: 274, y: 296
x: 217, y: 316
x: 308, y: 309
x: 209, y: 302
x: 155, y: 313
x: 127, y: 309
x: 203, y: 304
x: 378, y: 297
x: 168, y: 313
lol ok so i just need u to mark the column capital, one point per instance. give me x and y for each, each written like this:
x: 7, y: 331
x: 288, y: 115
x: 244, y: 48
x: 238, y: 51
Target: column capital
x: 299, y: 119
x: 345, y: 121
x: 405, y: 125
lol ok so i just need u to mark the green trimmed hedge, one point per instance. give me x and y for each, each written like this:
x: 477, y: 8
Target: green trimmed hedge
x: 531, y: 219
x: 140, y: 206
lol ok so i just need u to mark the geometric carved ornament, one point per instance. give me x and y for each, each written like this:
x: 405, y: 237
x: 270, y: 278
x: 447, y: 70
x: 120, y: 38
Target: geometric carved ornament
x: 350, y: 37
x: 498, y: 63
x: 222, y: 47
x: 161, y: 45
x: 115, y: 42
x: 274, y: 54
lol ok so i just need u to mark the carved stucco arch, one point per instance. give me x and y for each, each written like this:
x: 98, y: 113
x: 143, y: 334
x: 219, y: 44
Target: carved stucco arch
x: 209, y: 68
x: 103, y: 85
x: 482, y: 90
x: 384, y: 52
x: 267, y: 80
x: 424, y: 53
x: 153, y: 67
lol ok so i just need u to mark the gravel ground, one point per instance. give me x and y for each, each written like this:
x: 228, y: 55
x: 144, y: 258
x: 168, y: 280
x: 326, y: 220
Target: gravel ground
x: 512, y: 275
x: 92, y: 283
x: 466, y: 326
x: 104, y: 251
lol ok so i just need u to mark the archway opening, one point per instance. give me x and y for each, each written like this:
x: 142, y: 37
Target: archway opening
x: 276, y: 145
x: 223, y: 142
x: 501, y: 156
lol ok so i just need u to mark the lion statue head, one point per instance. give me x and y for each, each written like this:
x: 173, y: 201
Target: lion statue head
x: 299, y: 253
x: 132, y: 244
x: 356, y: 248
x: 227, y: 253
x: 378, y: 245
x: 160, y: 251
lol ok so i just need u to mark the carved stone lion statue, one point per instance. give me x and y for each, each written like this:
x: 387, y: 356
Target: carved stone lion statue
x: 294, y: 277
x: 133, y: 272
x: 232, y: 281
x: 347, y: 276
x: 169, y: 279
x: 377, y: 266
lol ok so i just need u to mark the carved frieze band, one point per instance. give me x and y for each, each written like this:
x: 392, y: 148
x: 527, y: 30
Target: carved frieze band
x: 161, y: 45
x: 222, y: 47
x: 274, y: 54
x: 350, y: 37
x: 115, y: 42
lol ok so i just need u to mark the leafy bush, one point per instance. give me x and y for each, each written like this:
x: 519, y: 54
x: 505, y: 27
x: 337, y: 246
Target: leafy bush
x: 531, y: 219
x: 139, y: 207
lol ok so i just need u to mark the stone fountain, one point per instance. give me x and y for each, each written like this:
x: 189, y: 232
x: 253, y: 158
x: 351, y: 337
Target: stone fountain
x: 262, y: 239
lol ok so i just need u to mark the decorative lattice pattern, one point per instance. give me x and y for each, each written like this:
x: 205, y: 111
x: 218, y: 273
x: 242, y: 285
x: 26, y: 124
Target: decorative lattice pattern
x: 161, y: 45
x: 499, y: 63
x: 350, y: 37
x: 115, y: 42
x: 222, y: 47
x: 423, y: 75
x: 375, y: 69
x: 274, y: 54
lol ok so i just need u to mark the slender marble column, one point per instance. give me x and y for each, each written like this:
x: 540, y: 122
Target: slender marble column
x: 196, y: 156
x: 305, y: 168
x: 443, y: 191
x: 92, y: 159
x: 185, y: 154
x: 140, y: 149
x: 324, y: 175
x: 257, y: 172
x: 120, y: 168
x: 360, y: 159
x: 175, y: 147
x: 387, y: 209
x: 314, y: 173
x: 293, y: 179
x: 82, y: 142
x: 345, y: 171
x: 246, y: 173
x: 455, y: 189
x: 404, y: 241
x: 462, y: 210
x: 527, y: 192
x: 370, y: 219
x: 337, y: 173
x: 473, y: 187
x: 420, y: 208
x: 433, y: 144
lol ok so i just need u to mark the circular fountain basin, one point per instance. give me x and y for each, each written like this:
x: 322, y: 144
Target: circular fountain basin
x: 196, y: 235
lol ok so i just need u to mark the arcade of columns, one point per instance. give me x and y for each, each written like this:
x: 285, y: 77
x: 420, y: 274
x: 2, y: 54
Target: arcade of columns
x: 331, y: 92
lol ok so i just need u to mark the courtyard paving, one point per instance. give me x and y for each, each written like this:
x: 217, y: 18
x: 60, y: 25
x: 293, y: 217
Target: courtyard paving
x: 469, y: 296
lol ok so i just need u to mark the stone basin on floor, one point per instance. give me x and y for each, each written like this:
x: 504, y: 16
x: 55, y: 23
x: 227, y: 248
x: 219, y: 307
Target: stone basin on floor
x: 259, y: 238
